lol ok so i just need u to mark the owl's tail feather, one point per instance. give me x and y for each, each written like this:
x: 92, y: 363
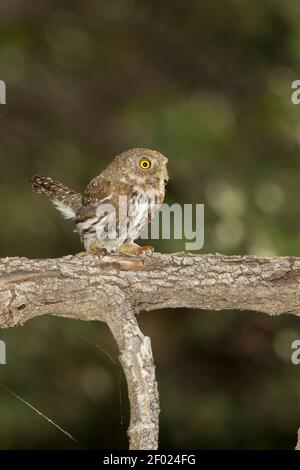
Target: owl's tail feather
x: 66, y: 200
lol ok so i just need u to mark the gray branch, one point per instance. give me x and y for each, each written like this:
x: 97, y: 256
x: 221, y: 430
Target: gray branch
x: 116, y: 288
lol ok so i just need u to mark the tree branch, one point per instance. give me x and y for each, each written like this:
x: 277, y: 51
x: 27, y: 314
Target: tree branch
x: 137, y: 361
x: 116, y: 288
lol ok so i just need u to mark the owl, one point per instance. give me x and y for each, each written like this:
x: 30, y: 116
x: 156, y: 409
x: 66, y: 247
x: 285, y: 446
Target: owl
x: 117, y: 205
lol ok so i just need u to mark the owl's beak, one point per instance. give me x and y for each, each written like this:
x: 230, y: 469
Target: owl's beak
x: 162, y: 174
x: 166, y: 176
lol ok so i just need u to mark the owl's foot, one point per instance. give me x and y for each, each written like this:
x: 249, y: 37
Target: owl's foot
x: 98, y: 251
x: 132, y: 249
x: 95, y: 250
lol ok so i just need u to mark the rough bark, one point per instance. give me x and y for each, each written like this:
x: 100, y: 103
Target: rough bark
x: 116, y: 288
x: 137, y: 362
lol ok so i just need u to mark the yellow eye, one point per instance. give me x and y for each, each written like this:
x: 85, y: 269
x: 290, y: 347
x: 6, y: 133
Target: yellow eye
x: 145, y: 164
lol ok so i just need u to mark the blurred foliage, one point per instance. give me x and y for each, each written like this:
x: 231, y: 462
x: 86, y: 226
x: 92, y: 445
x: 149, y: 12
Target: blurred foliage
x: 207, y: 83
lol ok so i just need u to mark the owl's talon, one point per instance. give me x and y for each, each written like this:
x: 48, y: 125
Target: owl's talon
x: 148, y: 249
x: 102, y: 252
x: 96, y: 251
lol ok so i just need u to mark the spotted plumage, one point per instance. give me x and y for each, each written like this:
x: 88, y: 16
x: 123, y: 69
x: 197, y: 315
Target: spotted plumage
x: 115, y: 206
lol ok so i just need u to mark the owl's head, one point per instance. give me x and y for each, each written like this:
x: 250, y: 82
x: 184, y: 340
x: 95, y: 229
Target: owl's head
x: 147, y: 165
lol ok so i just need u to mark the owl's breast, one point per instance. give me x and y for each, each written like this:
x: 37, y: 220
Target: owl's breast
x: 125, y: 219
x: 141, y: 209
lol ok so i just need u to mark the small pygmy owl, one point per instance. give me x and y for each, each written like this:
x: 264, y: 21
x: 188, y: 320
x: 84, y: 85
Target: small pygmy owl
x: 117, y: 205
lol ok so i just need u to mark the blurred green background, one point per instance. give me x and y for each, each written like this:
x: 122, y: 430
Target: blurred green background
x: 208, y: 84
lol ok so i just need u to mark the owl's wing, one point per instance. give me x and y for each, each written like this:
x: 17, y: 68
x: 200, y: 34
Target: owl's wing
x: 97, y: 190
x: 97, y: 193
